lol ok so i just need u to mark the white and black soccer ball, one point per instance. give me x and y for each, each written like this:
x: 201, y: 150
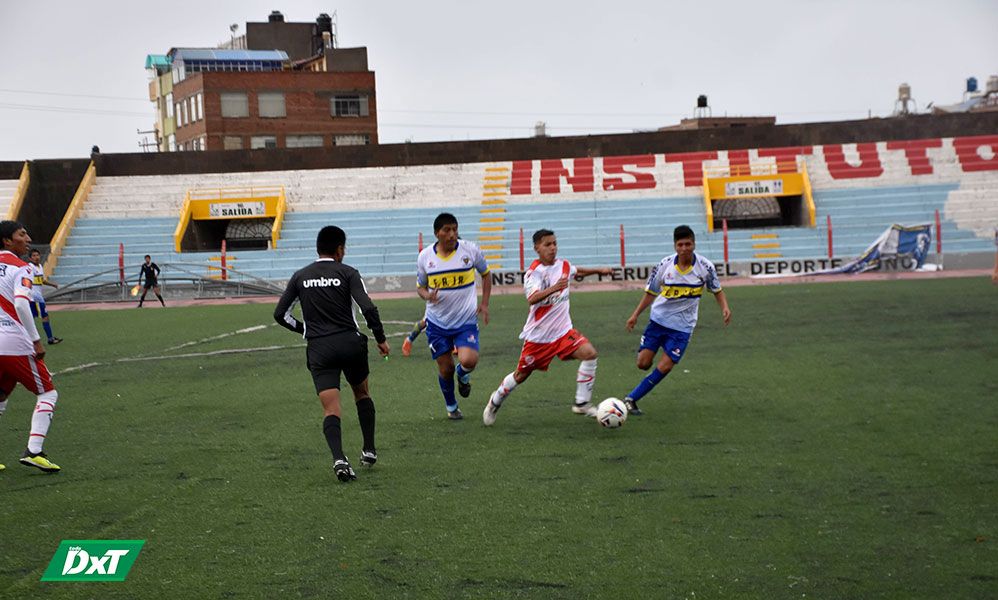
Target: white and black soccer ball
x: 611, y: 413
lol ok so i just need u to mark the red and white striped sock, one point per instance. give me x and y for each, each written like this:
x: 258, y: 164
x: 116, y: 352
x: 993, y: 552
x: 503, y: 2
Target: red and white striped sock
x: 41, y: 420
x: 584, y: 381
x: 505, y: 389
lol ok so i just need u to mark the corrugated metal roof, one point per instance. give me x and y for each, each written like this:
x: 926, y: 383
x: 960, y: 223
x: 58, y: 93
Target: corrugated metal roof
x: 227, y: 55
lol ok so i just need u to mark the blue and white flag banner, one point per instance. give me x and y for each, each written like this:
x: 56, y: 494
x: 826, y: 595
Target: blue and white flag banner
x: 895, y: 242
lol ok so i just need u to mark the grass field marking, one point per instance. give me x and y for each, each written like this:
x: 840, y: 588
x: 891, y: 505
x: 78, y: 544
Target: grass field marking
x: 220, y: 336
x: 78, y: 368
x: 211, y: 353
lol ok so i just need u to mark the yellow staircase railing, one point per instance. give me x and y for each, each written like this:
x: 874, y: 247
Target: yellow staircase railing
x: 58, y: 243
x: 22, y: 190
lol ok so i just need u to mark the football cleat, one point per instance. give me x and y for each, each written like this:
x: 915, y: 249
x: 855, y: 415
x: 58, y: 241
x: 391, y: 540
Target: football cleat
x: 54, y: 341
x: 407, y: 347
x: 455, y: 415
x: 2, y: 467
x: 632, y: 407
x: 491, y: 408
x: 344, y: 472
x: 464, y: 388
x: 586, y: 408
x: 368, y: 458
x: 39, y: 461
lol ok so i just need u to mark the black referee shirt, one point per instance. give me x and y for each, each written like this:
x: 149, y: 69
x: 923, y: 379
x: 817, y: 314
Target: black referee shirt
x: 150, y: 272
x: 327, y: 290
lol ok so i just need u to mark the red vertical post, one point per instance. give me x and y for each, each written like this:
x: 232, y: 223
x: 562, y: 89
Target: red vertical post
x: 420, y: 241
x: 724, y: 226
x: 521, y: 249
x: 828, y: 220
x: 225, y: 273
x: 121, y: 263
x: 939, y: 234
x: 623, y: 257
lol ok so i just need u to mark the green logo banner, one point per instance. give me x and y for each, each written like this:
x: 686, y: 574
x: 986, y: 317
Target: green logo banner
x: 93, y: 560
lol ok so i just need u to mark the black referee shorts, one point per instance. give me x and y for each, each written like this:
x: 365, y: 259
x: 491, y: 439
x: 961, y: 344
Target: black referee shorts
x: 329, y: 355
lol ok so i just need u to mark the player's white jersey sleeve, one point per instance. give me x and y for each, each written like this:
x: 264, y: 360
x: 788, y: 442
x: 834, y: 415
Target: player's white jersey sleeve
x: 16, y: 280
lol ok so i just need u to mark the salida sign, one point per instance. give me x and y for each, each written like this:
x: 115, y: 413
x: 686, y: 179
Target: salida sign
x: 639, y: 172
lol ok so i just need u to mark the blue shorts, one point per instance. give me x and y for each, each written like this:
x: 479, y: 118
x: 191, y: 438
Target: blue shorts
x: 441, y: 340
x: 671, y: 341
x: 38, y: 308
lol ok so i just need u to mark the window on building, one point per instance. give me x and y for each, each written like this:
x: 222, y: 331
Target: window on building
x: 235, y: 104
x: 172, y: 143
x: 303, y: 141
x: 169, y: 105
x: 349, y: 106
x: 200, y: 100
x: 263, y: 141
x: 271, y: 104
x: 355, y: 139
x: 232, y: 142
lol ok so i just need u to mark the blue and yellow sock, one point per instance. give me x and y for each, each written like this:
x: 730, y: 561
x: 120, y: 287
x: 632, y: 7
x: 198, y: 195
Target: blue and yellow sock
x: 447, y: 387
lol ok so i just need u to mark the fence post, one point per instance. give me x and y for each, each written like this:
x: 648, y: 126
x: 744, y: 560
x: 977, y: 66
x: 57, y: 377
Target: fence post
x: 939, y: 234
x: 724, y: 226
x: 521, y: 248
x: 828, y: 220
x: 623, y: 257
x: 225, y: 273
x: 121, y: 263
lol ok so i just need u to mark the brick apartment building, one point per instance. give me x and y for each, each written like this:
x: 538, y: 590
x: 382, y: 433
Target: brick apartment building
x: 245, y: 96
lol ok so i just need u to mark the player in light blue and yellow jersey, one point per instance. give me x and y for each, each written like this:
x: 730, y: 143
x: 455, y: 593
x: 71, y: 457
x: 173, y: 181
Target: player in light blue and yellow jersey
x: 445, y: 279
x: 673, y: 290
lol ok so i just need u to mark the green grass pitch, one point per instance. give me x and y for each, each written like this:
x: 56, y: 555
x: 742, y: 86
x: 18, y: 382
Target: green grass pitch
x: 836, y: 441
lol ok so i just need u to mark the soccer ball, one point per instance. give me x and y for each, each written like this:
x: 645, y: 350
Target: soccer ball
x: 611, y: 413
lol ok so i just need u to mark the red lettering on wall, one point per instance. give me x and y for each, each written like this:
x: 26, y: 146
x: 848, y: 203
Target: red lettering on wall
x: 915, y: 152
x: 869, y: 162
x: 966, y: 150
x: 692, y: 165
x: 738, y: 163
x: 786, y: 158
x: 580, y: 178
x: 523, y: 175
x: 634, y: 180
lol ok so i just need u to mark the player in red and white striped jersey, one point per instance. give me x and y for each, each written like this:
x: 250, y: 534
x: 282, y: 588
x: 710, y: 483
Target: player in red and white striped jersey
x: 21, y: 350
x: 548, y: 331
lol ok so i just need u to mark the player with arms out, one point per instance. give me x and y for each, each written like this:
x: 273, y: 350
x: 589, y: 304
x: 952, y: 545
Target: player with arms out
x: 21, y: 350
x: 548, y: 331
x: 37, y: 299
x: 149, y: 271
x: 327, y: 289
x: 673, y: 290
x: 445, y: 279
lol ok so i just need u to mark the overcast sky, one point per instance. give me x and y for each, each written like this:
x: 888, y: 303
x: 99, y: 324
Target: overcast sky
x: 73, y: 73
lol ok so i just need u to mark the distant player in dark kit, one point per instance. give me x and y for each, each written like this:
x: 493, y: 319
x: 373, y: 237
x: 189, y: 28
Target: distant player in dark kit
x: 327, y: 289
x: 150, y: 272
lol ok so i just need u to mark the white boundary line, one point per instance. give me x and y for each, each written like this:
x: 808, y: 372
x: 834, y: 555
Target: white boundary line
x: 130, y: 359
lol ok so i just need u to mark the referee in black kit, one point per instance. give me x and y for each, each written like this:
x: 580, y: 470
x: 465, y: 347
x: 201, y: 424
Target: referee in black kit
x: 326, y: 289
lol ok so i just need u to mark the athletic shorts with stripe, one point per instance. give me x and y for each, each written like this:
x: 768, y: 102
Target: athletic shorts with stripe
x: 26, y: 370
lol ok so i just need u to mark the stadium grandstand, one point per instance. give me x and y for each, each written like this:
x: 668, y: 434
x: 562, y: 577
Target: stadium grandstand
x: 762, y: 199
